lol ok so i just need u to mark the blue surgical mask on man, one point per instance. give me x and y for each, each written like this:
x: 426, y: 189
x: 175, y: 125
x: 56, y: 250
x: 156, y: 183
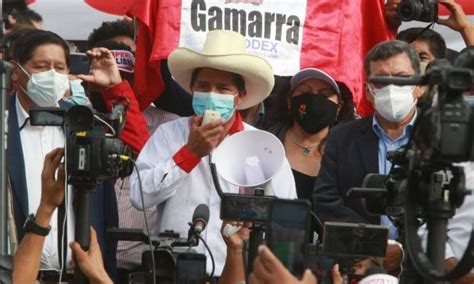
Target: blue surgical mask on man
x: 469, y: 100
x: 78, y: 94
x: 221, y: 103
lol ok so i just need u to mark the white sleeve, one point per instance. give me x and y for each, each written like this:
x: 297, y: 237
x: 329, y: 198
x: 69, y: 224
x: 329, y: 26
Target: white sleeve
x: 159, y: 174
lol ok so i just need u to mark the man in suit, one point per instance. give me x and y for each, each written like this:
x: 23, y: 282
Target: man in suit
x: 41, y: 67
x: 358, y: 148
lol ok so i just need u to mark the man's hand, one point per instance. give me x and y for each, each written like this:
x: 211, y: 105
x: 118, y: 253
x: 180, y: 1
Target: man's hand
x: 393, y: 259
x: 269, y: 269
x: 458, y: 20
x: 90, y: 262
x: 104, y: 70
x: 235, y: 241
x: 449, y: 265
x: 204, y: 138
x: 391, y: 16
x: 52, y: 187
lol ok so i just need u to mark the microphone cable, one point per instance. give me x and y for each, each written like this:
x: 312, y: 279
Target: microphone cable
x: 153, y: 268
x: 210, y: 254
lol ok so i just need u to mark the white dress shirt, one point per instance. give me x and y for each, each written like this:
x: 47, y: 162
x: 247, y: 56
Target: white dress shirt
x: 36, y: 142
x: 177, y: 193
x: 461, y: 224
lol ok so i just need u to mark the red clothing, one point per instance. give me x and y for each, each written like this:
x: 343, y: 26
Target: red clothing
x: 187, y: 160
x: 135, y: 133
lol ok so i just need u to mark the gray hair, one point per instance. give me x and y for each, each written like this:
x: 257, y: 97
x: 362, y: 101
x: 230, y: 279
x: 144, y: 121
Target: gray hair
x: 390, y: 48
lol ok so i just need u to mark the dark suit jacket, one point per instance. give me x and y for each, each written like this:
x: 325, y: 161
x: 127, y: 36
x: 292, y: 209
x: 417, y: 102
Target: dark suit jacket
x: 351, y: 153
x: 103, y: 205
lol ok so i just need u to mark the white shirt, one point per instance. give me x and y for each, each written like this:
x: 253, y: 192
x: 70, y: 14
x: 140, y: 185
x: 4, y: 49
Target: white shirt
x: 461, y: 224
x: 177, y: 193
x: 36, y: 142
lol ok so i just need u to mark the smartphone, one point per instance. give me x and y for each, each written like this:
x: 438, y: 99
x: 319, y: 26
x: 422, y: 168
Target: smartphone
x: 79, y: 63
x: 320, y: 264
x: 287, y: 233
x: 190, y: 268
x: 247, y: 208
x: 355, y: 240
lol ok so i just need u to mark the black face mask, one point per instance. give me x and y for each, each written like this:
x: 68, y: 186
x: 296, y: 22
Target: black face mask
x: 313, y: 112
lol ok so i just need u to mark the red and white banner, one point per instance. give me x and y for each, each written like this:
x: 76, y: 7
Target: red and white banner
x: 327, y: 34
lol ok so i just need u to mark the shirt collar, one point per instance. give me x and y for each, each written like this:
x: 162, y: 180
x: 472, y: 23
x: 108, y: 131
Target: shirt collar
x: 238, y: 125
x: 378, y: 130
x: 22, y: 115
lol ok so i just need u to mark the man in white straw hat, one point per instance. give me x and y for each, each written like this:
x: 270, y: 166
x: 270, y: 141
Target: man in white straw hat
x: 174, y: 164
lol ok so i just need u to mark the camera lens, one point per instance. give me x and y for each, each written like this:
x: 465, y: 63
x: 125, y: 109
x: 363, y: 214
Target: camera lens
x: 407, y: 11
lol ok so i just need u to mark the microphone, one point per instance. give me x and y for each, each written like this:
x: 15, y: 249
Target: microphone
x: 200, y: 219
x: 377, y: 274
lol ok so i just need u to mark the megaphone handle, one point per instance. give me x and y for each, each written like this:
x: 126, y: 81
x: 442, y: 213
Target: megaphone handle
x: 215, y: 178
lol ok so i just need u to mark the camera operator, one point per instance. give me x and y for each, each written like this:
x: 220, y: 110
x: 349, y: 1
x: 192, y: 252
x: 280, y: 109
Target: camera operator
x: 457, y: 20
x: 41, y: 64
x: 360, y: 147
x: 28, y: 257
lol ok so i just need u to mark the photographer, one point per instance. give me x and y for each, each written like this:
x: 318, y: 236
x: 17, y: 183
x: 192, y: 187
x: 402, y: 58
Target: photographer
x: 457, y: 20
x: 27, y: 259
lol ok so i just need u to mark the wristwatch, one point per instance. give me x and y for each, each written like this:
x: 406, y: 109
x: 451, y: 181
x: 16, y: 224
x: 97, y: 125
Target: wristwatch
x: 31, y: 227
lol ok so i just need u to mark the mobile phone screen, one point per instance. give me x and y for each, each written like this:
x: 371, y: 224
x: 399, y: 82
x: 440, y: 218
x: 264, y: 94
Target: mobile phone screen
x: 354, y: 239
x: 79, y: 63
x: 191, y: 268
x: 287, y: 233
x: 239, y: 207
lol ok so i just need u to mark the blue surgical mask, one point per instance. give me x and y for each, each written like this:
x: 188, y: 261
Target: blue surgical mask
x: 469, y: 100
x: 78, y: 94
x: 223, y: 104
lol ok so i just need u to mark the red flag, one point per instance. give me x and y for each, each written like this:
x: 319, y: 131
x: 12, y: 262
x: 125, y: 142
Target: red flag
x: 338, y: 35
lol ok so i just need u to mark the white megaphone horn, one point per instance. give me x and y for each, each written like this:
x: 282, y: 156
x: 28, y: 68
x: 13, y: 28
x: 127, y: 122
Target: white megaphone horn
x: 250, y: 159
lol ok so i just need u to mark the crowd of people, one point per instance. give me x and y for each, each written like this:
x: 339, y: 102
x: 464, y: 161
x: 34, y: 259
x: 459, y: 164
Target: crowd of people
x: 329, y: 148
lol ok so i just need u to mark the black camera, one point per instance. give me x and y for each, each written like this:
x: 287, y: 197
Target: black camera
x: 93, y: 154
x: 425, y: 181
x: 418, y: 10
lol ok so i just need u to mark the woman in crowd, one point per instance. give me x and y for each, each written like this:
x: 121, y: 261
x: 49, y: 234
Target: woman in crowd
x: 315, y: 103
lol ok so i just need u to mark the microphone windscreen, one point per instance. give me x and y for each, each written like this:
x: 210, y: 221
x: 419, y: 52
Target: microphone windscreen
x: 201, y: 213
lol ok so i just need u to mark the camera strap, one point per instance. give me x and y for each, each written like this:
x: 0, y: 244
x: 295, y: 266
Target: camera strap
x: 62, y: 246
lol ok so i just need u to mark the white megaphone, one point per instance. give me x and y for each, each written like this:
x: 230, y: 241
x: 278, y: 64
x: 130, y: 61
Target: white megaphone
x: 250, y: 159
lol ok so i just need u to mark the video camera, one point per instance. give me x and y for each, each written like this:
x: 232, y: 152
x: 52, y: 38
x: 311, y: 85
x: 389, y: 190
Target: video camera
x: 424, y: 180
x: 93, y: 154
x: 175, y: 259
x: 418, y: 10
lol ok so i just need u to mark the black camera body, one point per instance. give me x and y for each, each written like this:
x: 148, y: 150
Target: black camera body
x: 175, y: 262
x: 418, y: 10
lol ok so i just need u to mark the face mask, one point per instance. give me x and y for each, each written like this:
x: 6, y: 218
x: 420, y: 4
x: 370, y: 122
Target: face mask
x: 78, y: 94
x: 46, y: 88
x: 223, y: 104
x: 469, y: 100
x: 394, y: 102
x: 313, y: 112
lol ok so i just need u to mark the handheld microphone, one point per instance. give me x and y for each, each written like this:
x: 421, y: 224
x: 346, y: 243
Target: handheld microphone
x: 377, y: 274
x: 200, y: 219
